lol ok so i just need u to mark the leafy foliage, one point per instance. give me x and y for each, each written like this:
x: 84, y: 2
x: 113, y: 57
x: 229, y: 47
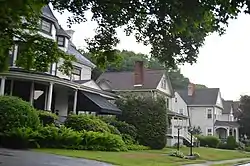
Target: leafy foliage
x: 15, y: 113
x: 210, y: 141
x: 174, y: 29
x: 123, y: 127
x: 86, y: 122
x: 244, y: 117
x: 231, y: 142
x: 177, y: 154
x: 196, y: 130
x: 149, y: 116
x: 46, y: 118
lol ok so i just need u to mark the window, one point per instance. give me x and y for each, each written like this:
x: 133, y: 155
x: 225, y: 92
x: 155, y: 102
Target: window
x: 61, y: 41
x: 163, y: 83
x: 76, y: 73
x: 181, y: 111
x: 167, y: 103
x: 209, y: 113
x: 176, y: 100
x: 209, y: 131
x: 46, y: 26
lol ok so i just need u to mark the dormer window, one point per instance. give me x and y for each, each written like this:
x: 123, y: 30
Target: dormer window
x: 46, y: 26
x: 163, y: 83
x: 61, y: 41
x: 76, y: 73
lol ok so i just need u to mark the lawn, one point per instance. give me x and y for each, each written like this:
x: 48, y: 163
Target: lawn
x: 149, y: 157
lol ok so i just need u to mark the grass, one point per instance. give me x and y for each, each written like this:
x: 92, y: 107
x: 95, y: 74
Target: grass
x: 149, y: 157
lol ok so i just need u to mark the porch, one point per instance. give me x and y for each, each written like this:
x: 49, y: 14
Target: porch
x: 223, y: 129
x: 46, y: 92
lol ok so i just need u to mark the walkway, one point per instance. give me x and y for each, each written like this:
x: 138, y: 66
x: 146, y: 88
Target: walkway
x: 218, y: 162
x: 28, y: 158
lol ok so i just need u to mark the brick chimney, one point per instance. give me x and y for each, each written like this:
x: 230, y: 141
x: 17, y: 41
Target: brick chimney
x: 191, y: 89
x: 138, y: 73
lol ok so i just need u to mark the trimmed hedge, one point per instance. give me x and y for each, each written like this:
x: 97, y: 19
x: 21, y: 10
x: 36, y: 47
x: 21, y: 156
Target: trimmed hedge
x: 210, y: 141
x: 16, y: 113
x: 86, y: 122
x: 46, y: 118
x: 149, y: 116
x: 231, y: 144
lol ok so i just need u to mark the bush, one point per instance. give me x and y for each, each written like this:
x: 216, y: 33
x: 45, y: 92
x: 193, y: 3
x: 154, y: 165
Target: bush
x: 177, y: 154
x: 19, y: 138
x: 46, y: 118
x: 231, y: 143
x: 62, y: 137
x: 149, y: 116
x: 137, y: 147
x: 103, y: 141
x: 16, y: 113
x: 210, y: 141
x: 123, y: 127
x: 86, y: 122
x: 247, y: 149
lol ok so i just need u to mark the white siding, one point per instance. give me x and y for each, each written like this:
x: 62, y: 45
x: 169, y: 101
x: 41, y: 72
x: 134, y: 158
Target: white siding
x: 166, y: 90
x: 225, y: 117
x: 198, y: 117
x: 92, y: 84
x: 219, y: 100
x: 178, y: 103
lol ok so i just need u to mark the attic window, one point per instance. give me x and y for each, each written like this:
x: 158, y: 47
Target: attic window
x: 46, y: 26
x: 163, y: 83
x: 61, y: 41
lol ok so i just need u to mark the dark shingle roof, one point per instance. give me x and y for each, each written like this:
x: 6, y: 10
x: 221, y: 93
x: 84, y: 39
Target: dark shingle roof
x: 47, y: 13
x: 206, y: 96
x: 125, y: 80
x: 61, y: 32
x: 226, y: 123
x: 227, y: 104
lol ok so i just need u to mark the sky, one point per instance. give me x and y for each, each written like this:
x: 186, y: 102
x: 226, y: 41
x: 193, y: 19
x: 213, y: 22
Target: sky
x: 223, y: 61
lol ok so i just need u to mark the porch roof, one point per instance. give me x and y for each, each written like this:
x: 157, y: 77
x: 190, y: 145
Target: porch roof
x: 175, y: 114
x: 99, y: 104
x: 226, y: 123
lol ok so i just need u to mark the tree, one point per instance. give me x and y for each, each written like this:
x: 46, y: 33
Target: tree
x: 244, y: 118
x: 174, y: 29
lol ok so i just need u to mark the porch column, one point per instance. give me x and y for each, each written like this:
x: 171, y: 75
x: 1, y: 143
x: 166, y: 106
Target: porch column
x: 11, y: 87
x: 49, y: 99
x: 228, y: 130
x: 2, y: 86
x: 32, y: 93
x: 237, y: 134
x: 75, y: 101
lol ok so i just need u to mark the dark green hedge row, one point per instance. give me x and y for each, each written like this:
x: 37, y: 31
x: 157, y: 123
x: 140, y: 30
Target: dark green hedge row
x: 46, y: 118
x: 210, y: 141
x: 54, y: 137
x: 149, y: 116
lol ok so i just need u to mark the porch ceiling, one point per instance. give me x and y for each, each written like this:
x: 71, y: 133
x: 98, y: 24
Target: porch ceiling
x: 175, y: 114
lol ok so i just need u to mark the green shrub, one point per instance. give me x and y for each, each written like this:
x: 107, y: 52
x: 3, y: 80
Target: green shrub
x: 103, y: 141
x: 177, y: 153
x: 86, y: 122
x: 231, y: 143
x: 46, y: 118
x: 247, y: 149
x: 123, y: 127
x: 149, y: 116
x: 16, y: 113
x: 19, y: 138
x: 210, y: 141
x: 137, y: 147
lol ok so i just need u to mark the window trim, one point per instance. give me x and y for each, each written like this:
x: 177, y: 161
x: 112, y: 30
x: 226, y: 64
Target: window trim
x: 78, y: 68
x: 44, y: 31
x: 209, y: 109
x: 63, y: 41
x: 209, y: 128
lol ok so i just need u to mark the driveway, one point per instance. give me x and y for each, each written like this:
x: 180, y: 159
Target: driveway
x: 29, y: 158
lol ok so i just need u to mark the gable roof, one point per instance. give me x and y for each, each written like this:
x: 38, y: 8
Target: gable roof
x: 125, y: 80
x: 206, y: 96
x: 48, y: 14
x: 227, y: 104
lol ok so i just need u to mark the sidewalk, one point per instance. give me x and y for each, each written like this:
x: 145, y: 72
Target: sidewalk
x: 218, y: 162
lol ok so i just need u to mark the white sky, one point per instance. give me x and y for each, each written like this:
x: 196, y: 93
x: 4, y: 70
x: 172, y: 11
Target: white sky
x: 222, y: 61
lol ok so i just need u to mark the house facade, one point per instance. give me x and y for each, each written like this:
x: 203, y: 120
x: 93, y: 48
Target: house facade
x: 153, y: 83
x: 53, y: 90
x: 207, y: 109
